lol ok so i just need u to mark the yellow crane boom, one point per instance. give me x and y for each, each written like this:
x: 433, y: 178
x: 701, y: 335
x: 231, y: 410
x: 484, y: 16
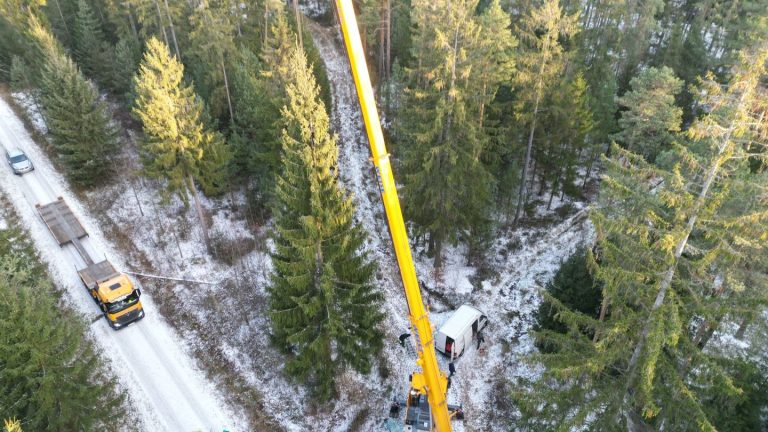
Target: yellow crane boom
x: 431, y: 381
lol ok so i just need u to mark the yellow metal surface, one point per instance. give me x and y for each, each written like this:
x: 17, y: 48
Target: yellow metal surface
x: 433, y: 379
x: 108, y: 295
x: 113, y: 317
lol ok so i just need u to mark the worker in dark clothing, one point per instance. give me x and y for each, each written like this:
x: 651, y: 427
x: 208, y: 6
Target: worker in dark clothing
x: 403, y: 337
x: 451, y: 369
x: 480, y: 339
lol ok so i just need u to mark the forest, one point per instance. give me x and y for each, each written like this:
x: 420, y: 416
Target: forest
x: 647, y: 116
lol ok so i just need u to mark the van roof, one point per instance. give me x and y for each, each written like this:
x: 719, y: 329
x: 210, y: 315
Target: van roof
x: 460, y: 320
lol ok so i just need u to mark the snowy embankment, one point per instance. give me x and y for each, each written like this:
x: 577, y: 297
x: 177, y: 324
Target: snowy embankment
x: 523, y: 261
x: 165, y: 388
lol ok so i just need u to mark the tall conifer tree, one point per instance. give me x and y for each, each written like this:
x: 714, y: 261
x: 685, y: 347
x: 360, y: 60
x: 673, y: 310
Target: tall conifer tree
x: 458, y: 69
x: 651, y: 119
x: 212, y: 45
x: 323, y: 305
x: 177, y: 146
x: 80, y: 124
x: 50, y: 375
x: 681, y: 248
x: 259, y: 84
x: 541, y: 63
x: 91, y: 52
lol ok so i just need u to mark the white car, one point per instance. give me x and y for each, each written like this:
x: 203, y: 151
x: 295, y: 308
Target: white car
x: 18, y: 161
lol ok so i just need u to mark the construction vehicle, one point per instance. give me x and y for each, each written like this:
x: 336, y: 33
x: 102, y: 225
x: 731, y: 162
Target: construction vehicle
x: 111, y: 290
x: 426, y: 406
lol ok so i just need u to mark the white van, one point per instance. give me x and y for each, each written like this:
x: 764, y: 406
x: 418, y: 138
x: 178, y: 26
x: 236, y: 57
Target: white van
x: 457, y: 333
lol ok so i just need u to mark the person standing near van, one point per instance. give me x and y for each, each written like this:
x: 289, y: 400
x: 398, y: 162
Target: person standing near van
x: 451, y: 369
x: 480, y: 339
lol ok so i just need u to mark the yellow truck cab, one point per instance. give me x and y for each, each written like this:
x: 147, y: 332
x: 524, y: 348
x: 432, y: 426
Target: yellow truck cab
x: 114, y: 293
x: 111, y: 290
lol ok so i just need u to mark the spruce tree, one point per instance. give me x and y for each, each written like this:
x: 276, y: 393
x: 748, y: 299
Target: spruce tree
x: 50, y: 375
x: 574, y: 286
x: 323, y: 305
x: 540, y: 63
x: 20, y: 74
x: 177, y: 146
x: 651, y: 118
x: 459, y: 69
x: 212, y: 45
x: 79, y: 123
x: 127, y: 53
x: 680, y: 250
x: 91, y: 51
x: 259, y: 84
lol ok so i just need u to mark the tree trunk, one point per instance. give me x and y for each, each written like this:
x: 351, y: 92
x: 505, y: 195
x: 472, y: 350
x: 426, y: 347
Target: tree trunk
x: 523, y: 177
x: 438, y: 262
x: 521, y: 194
x: 298, y: 23
x: 482, y: 104
x: 743, y: 327
x: 266, y: 22
x: 592, y: 158
x: 382, y: 42
x: 388, y: 68
x: 133, y: 24
x: 601, y: 318
x: 173, y: 31
x: 199, y: 208
x: 226, y: 88
x: 234, y: 5
x: 666, y: 282
x: 160, y: 23
x: 61, y: 15
x: 555, y: 184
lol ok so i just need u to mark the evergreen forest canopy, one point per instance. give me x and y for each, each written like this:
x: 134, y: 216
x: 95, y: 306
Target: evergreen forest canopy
x: 497, y: 111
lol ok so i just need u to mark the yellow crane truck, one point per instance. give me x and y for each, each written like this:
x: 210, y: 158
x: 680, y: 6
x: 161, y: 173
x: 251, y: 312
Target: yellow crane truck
x: 426, y: 406
x: 111, y: 290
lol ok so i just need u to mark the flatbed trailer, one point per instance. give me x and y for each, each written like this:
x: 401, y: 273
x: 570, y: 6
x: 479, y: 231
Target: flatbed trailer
x: 112, y: 290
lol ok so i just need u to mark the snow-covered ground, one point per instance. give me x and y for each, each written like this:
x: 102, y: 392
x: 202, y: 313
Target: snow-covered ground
x: 165, y: 388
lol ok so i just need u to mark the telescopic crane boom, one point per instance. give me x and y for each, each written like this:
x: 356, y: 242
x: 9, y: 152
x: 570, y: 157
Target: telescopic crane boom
x: 430, y: 381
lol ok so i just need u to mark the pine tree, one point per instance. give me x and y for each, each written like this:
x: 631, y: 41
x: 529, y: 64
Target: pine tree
x: 651, y: 119
x: 80, y: 125
x: 540, y: 63
x: 323, y: 306
x: 50, y: 375
x: 680, y: 250
x: 447, y: 186
x: 176, y: 144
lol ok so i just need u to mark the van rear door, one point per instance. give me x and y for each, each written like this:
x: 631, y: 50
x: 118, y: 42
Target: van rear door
x: 450, y: 346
